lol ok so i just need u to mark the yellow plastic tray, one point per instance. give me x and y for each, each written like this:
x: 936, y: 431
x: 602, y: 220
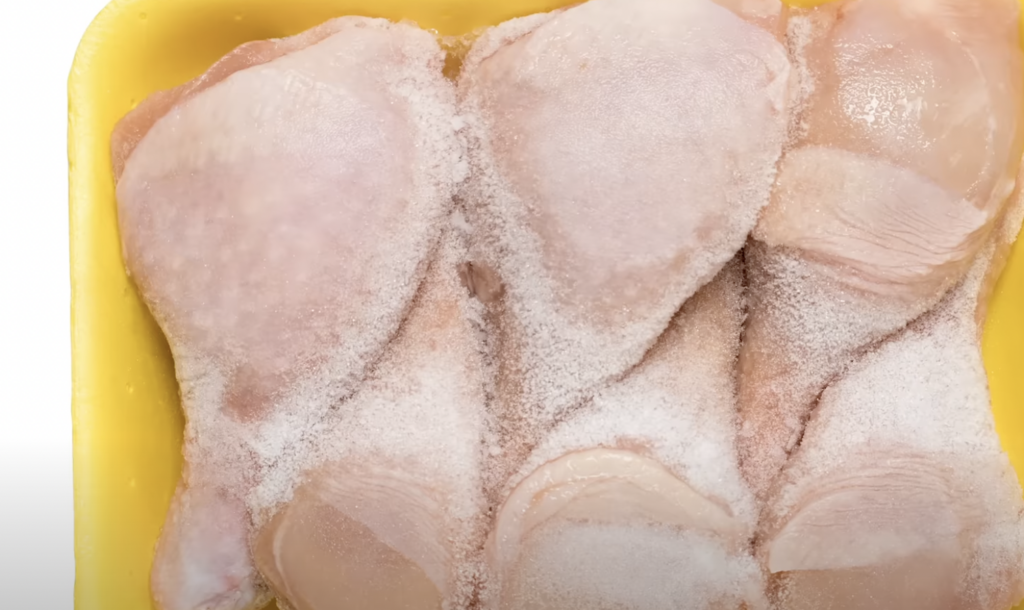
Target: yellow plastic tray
x: 127, y: 421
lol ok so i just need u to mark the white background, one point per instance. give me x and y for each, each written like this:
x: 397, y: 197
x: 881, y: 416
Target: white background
x: 36, y: 516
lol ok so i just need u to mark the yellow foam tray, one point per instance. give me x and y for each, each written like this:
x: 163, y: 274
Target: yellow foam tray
x: 127, y: 419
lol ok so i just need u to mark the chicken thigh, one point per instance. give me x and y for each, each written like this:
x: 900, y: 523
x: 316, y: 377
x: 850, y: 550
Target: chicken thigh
x: 907, y: 137
x: 900, y: 496
x: 278, y: 215
x: 620, y: 151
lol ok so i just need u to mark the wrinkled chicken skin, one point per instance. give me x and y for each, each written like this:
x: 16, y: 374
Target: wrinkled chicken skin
x: 900, y: 495
x: 908, y: 139
x: 278, y: 221
x: 620, y: 153
x: 637, y: 501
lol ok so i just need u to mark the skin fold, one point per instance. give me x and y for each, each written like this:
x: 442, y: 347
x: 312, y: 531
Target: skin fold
x: 900, y: 495
x: 907, y: 137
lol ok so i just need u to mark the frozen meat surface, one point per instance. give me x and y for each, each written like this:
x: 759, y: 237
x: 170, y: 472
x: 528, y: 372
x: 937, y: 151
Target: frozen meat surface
x: 904, y: 151
x: 586, y: 128
x: 615, y: 471
x: 654, y: 305
x: 900, y: 495
x: 279, y: 224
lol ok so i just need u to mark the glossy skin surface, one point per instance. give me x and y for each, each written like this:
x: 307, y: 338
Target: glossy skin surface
x: 907, y: 140
x: 868, y: 272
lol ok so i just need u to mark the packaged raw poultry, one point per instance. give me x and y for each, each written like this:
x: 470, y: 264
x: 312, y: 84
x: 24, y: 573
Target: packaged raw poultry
x: 643, y: 304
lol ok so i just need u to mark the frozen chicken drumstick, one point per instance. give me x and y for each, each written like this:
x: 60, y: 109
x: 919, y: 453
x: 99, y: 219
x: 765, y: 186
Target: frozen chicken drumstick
x: 278, y: 215
x: 620, y: 152
x: 900, y: 495
x: 391, y: 516
x: 637, y: 501
x: 908, y: 137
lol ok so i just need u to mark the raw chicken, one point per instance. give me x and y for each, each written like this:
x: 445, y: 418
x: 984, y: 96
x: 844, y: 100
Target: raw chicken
x: 900, y: 496
x: 620, y: 152
x: 636, y: 501
x: 393, y: 517
x: 278, y: 216
x: 907, y: 139
x: 349, y: 437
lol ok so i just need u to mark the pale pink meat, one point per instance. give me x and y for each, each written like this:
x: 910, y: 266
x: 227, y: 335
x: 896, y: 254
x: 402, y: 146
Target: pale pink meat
x: 133, y: 127
x: 391, y: 515
x: 620, y: 153
x: 636, y: 500
x: 908, y: 137
x: 492, y: 344
x: 278, y: 216
x: 900, y: 495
